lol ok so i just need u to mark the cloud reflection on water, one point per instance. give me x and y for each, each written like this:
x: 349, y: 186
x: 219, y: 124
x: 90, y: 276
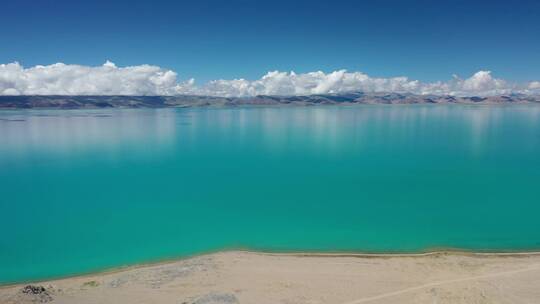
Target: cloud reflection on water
x: 317, y: 130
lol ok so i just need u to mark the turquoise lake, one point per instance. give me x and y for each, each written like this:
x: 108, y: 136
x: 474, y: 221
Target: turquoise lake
x: 87, y: 190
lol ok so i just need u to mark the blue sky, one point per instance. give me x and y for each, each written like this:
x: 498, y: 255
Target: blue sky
x: 424, y: 40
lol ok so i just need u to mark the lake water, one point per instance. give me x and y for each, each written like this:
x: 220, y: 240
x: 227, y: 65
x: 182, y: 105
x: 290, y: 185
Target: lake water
x: 86, y: 190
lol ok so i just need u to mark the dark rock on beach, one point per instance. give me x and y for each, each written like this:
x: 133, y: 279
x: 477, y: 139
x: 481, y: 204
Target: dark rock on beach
x: 37, y: 293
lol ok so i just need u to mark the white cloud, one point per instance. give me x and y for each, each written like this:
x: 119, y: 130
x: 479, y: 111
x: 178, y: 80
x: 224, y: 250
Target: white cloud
x: 534, y: 85
x: 108, y: 79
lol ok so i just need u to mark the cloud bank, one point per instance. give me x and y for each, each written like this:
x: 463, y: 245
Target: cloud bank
x: 108, y: 79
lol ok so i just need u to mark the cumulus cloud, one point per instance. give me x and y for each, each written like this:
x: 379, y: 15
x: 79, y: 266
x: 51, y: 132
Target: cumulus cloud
x: 68, y: 79
x: 109, y: 79
x: 534, y: 85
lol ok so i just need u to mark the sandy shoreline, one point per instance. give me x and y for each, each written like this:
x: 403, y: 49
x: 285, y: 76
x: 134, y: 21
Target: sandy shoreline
x: 281, y: 253
x: 348, y: 278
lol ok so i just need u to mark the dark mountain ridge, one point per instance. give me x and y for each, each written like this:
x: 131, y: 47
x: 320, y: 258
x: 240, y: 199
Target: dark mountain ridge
x: 83, y: 101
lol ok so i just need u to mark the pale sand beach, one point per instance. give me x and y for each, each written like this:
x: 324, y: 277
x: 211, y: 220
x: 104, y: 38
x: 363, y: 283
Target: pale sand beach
x: 251, y: 277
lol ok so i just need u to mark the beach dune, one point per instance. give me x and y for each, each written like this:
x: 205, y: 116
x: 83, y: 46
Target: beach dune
x: 250, y: 277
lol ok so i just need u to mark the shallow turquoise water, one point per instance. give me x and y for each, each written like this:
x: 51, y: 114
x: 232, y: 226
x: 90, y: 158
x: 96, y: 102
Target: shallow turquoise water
x: 85, y: 190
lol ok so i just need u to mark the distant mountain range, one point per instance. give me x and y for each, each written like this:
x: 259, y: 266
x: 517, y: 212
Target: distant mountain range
x: 83, y: 102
